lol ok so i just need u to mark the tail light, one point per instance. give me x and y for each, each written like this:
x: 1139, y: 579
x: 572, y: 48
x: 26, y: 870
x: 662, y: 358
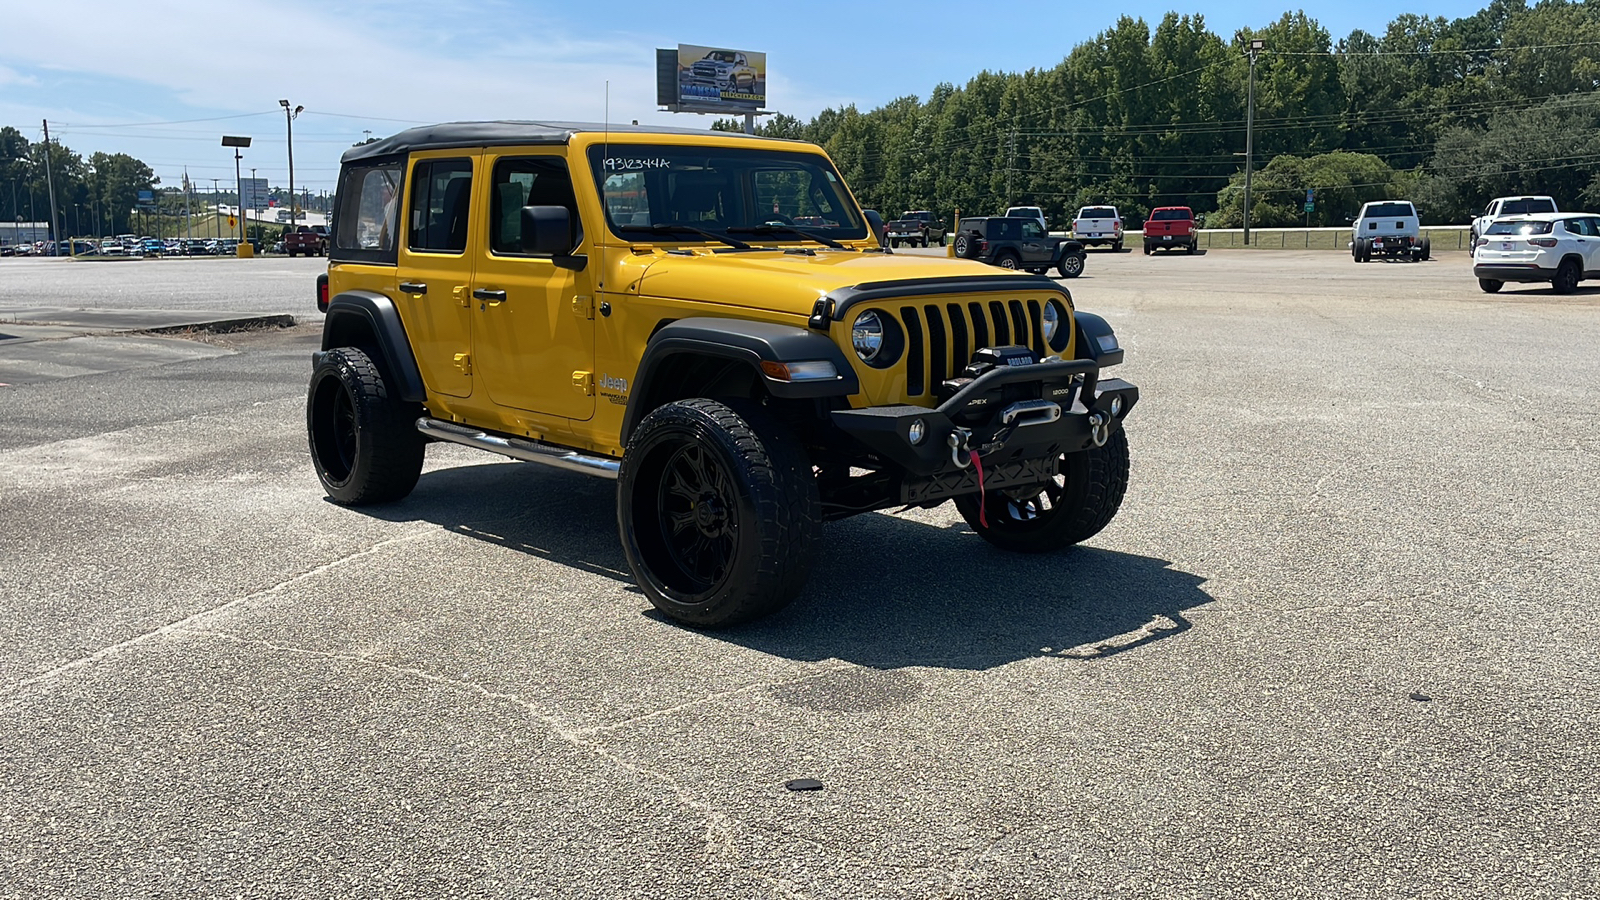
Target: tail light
x: 322, y: 292
x: 1542, y: 242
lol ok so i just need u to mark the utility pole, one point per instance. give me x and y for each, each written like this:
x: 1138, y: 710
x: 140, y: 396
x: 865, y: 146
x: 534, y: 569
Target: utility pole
x: 1256, y: 46
x: 1011, y: 165
x: 55, y: 233
x: 288, y: 121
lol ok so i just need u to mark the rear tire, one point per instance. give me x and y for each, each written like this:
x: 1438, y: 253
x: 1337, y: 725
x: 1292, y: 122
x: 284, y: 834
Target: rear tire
x: 364, y: 441
x: 1194, y: 246
x: 1008, y: 260
x: 1490, y: 285
x: 1069, y: 509
x: 1146, y: 249
x: 1567, y: 276
x: 719, y: 512
x: 1117, y: 246
x: 1426, y: 251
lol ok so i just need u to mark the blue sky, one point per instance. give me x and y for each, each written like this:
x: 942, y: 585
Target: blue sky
x: 132, y: 77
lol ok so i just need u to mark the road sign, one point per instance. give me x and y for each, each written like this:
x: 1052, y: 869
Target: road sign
x: 1311, y: 194
x: 1310, y: 206
x: 232, y: 222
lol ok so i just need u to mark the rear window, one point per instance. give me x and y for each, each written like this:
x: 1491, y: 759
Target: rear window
x: 1170, y: 215
x: 1526, y: 206
x: 1097, y: 212
x: 1387, y: 210
x: 1511, y: 227
x: 368, y: 213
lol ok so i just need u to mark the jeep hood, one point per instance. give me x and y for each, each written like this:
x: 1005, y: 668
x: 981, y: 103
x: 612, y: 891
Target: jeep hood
x: 784, y: 281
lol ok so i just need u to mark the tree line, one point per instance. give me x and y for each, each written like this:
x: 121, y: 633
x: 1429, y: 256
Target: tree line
x: 103, y: 187
x: 1448, y: 113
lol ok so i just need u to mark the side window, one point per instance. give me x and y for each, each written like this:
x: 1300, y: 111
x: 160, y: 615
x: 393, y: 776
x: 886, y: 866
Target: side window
x: 441, y: 195
x: 526, y: 181
x: 1032, y: 229
x: 1581, y: 227
x: 368, y: 211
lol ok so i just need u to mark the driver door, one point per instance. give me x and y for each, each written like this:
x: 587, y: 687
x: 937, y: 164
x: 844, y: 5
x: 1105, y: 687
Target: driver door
x: 533, y: 328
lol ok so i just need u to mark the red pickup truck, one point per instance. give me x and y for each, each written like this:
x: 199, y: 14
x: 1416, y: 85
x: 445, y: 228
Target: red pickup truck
x: 311, y: 240
x: 1169, y: 227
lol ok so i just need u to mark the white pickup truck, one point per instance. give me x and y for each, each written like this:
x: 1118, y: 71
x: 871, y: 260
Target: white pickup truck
x: 1098, y: 225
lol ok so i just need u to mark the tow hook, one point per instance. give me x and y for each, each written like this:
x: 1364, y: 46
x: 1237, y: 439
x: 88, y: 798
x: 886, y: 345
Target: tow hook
x: 1099, y: 428
x: 958, y: 447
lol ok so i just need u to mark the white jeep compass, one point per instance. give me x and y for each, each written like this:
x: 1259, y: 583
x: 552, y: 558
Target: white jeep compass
x: 1561, y: 248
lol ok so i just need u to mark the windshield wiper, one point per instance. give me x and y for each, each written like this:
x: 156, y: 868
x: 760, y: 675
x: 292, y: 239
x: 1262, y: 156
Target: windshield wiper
x: 786, y: 229
x: 669, y: 227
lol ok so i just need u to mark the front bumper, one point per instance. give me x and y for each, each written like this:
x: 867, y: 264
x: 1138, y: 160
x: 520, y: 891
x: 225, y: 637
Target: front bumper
x: 1512, y: 272
x: 1019, y: 419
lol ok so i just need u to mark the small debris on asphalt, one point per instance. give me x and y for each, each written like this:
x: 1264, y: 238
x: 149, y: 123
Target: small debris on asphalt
x: 803, y: 784
x: 1420, y: 697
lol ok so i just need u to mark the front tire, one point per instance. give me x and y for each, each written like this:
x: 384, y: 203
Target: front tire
x: 1069, y: 509
x: 1070, y: 266
x: 364, y: 442
x: 719, y: 512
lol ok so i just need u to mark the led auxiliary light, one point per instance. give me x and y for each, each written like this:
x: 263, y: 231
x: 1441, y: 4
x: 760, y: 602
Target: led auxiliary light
x: 917, y: 431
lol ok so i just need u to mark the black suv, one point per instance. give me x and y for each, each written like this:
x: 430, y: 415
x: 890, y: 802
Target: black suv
x: 1017, y: 243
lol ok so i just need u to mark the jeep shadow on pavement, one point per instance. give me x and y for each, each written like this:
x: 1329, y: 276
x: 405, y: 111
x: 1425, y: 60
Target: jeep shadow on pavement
x: 882, y: 594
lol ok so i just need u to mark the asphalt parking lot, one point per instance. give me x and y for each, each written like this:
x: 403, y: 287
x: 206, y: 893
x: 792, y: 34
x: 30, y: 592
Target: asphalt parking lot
x: 1340, y: 641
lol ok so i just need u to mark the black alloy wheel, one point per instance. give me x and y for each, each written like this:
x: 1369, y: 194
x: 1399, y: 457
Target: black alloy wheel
x: 718, y: 510
x: 364, y: 442
x: 1072, y: 507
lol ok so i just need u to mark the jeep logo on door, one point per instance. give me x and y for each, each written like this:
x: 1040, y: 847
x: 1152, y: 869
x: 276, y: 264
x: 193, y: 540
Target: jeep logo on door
x: 619, y: 385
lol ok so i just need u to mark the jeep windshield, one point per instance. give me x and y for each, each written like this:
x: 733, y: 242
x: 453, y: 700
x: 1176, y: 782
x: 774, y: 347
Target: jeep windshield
x: 717, y: 190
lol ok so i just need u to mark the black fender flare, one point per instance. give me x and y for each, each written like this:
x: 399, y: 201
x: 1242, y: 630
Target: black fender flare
x: 745, y: 342
x: 1065, y: 249
x: 370, y: 320
x: 1096, y: 340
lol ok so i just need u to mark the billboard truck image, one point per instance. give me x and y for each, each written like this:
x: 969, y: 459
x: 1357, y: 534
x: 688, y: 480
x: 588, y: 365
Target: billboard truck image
x: 719, y: 77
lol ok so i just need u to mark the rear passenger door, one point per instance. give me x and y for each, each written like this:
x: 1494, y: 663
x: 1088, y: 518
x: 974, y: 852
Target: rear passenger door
x: 439, y: 232
x: 1584, y: 235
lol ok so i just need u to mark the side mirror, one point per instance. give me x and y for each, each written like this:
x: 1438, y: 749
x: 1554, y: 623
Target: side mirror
x: 547, y: 231
x: 879, y: 230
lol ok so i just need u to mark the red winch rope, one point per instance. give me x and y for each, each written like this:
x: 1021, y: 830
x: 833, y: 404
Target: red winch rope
x: 977, y: 465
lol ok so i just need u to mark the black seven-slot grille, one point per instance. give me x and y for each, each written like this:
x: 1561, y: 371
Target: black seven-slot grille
x: 941, y: 337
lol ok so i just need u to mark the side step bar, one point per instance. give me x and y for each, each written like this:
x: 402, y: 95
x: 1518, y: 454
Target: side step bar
x: 518, y: 448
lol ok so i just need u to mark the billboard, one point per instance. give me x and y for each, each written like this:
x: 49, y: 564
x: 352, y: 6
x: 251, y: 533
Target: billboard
x: 253, y: 193
x: 693, y: 78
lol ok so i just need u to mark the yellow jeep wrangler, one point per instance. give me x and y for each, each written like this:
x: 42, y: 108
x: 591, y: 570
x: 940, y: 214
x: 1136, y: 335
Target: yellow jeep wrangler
x: 711, y: 320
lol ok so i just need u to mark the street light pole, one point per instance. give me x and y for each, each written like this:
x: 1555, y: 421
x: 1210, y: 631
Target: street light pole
x: 1249, y: 134
x: 288, y: 121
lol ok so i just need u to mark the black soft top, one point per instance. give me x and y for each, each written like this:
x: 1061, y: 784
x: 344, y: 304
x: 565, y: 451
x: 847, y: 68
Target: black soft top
x: 488, y: 134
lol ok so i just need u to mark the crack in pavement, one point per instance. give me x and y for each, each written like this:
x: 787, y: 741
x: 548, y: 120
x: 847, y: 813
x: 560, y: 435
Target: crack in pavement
x: 720, y: 828
x: 11, y: 692
x: 712, y: 698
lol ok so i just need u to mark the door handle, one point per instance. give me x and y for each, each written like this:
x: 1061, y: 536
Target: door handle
x: 413, y: 287
x: 494, y: 297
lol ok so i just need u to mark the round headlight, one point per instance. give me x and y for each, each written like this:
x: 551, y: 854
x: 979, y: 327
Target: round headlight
x: 918, y: 430
x: 867, y: 335
x: 1052, y: 321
